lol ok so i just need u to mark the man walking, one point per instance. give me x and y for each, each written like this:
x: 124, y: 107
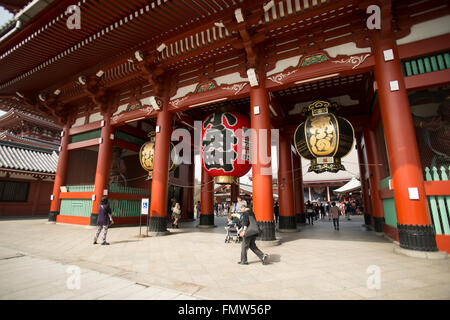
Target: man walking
x: 249, y: 232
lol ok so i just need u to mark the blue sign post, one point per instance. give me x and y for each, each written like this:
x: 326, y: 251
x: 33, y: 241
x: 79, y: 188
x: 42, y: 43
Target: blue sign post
x: 145, y: 204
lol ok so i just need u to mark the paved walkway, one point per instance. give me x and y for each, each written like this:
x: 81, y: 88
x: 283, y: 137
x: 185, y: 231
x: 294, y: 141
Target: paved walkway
x: 191, y: 263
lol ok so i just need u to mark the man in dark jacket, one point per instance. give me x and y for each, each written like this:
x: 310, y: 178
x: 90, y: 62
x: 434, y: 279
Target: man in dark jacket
x: 249, y: 239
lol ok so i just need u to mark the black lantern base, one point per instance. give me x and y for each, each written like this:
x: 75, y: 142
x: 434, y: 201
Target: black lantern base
x: 378, y: 224
x: 267, y: 230
x: 52, y: 216
x: 287, y: 223
x: 94, y: 217
x: 301, y: 218
x: 206, y: 220
x: 414, y: 237
x: 157, y: 224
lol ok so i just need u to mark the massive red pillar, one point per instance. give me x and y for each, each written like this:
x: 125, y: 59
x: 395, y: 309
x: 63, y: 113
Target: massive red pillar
x: 103, y: 166
x: 285, y: 187
x: 158, y: 204
x: 413, y: 216
x: 299, y: 197
x: 207, y: 201
x: 187, y: 193
x: 61, y: 174
x: 373, y: 157
x: 362, y: 179
x: 261, y: 163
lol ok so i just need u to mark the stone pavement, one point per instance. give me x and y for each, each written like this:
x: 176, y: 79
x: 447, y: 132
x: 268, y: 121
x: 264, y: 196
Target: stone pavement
x: 192, y: 263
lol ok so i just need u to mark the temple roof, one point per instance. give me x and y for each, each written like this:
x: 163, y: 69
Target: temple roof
x: 20, y: 157
x: 9, y: 136
x: 14, y: 116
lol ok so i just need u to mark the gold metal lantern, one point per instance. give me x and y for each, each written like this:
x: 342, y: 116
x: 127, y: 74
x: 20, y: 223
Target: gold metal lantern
x: 324, y: 138
x: 147, y: 154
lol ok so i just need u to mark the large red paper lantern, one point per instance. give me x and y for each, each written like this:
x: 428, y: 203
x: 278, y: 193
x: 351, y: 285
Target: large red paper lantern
x: 225, y: 147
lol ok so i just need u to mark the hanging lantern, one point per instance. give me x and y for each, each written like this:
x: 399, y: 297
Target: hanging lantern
x: 225, y: 147
x: 324, y: 138
x: 147, y: 153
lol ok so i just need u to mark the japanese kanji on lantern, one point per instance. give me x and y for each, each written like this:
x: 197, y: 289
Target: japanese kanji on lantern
x: 225, y: 147
x: 147, y: 153
x: 324, y: 138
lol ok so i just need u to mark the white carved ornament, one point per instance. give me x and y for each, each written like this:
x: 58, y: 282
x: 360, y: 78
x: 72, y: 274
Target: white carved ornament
x: 237, y: 87
x: 355, y: 60
x: 279, y: 77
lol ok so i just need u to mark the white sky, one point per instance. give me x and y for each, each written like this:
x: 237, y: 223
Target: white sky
x: 4, y: 16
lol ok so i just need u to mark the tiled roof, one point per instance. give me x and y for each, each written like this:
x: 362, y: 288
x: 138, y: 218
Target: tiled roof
x: 6, y: 134
x: 17, y: 156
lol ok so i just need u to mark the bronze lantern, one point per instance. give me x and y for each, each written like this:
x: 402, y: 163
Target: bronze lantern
x: 147, y: 153
x: 324, y: 138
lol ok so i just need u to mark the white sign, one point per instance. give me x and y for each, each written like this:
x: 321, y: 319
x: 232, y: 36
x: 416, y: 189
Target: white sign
x: 413, y: 193
x: 323, y: 160
x: 145, y: 203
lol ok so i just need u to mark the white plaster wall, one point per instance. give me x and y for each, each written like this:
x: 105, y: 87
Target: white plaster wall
x: 427, y: 29
x: 181, y: 92
x: 79, y: 122
x: 284, y: 64
x: 346, y: 49
x: 230, y: 79
x: 120, y: 109
x: 95, y: 117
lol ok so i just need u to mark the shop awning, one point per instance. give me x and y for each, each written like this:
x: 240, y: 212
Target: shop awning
x: 350, y: 186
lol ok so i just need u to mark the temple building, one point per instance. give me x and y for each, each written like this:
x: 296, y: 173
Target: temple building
x: 28, y: 159
x: 319, y: 76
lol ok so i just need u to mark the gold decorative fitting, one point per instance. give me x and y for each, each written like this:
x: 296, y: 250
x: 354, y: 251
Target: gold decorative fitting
x: 226, y: 180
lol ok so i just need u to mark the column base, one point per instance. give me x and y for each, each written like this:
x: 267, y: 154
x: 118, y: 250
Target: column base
x: 301, y: 218
x: 378, y: 224
x: 94, y: 217
x: 267, y: 231
x: 157, y: 226
x: 271, y: 243
x: 432, y: 255
x: 367, y: 219
x: 414, y: 237
x: 287, y: 224
x: 206, y: 221
x: 52, y: 216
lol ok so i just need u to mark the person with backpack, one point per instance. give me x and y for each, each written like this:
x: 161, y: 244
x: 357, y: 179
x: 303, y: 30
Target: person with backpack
x: 249, y: 232
x: 104, y: 220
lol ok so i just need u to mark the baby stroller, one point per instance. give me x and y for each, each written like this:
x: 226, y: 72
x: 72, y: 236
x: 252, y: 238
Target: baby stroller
x: 232, y: 234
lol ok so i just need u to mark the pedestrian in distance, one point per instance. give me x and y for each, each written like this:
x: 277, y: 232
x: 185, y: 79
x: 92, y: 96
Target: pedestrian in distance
x: 309, y: 212
x: 276, y: 211
x: 104, y: 220
x: 176, y: 213
x: 334, y: 213
x: 197, y: 209
x: 249, y: 231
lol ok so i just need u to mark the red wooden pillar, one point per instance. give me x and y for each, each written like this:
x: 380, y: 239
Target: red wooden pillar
x: 285, y: 186
x: 299, y: 197
x: 207, y: 201
x: 61, y: 174
x: 261, y: 168
x: 373, y: 157
x: 103, y: 166
x: 362, y: 179
x: 413, y: 216
x: 234, y: 192
x: 160, y: 182
x: 187, y: 204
